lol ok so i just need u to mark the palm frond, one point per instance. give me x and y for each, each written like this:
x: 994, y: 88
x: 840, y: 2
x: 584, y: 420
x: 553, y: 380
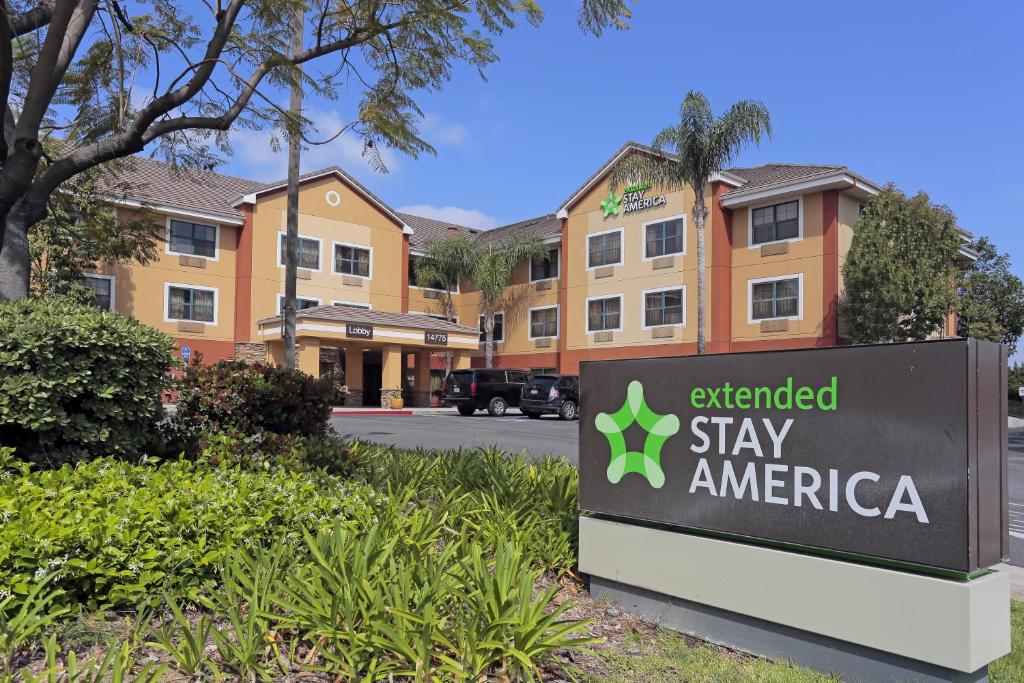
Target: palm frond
x: 747, y: 121
x: 645, y: 168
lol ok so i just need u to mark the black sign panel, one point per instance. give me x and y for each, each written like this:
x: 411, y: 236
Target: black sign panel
x: 359, y: 330
x: 435, y: 338
x: 896, y: 452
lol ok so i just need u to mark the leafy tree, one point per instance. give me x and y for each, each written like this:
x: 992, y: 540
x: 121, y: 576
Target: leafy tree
x: 492, y: 274
x: 899, y: 274
x: 447, y: 262
x: 82, y: 229
x: 109, y: 79
x: 990, y: 299
x: 701, y: 145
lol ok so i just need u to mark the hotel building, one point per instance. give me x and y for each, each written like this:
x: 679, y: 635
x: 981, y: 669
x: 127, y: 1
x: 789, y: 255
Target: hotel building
x: 621, y: 281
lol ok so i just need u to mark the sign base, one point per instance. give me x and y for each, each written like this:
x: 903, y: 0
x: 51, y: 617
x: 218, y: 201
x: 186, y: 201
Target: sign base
x: 861, y: 622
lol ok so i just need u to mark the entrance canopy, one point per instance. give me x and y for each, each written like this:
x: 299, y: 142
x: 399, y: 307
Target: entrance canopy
x: 348, y: 323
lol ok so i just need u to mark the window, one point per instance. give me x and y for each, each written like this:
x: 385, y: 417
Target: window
x: 604, y: 314
x: 192, y: 239
x: 351, y: 260
x: 543, y: 371
x: 605, y: 249
x: 775, y: 299
x: 188, y: 303
x: 664, y: 238
x: 544, y: 322
x: 663, y: 308
x: 103, y: 290
x: 544, y: 270
x: 499, y: 328
x: 309, y: 253
x: 519, y: 377
x: 775, y: 223
x: 300, y: 303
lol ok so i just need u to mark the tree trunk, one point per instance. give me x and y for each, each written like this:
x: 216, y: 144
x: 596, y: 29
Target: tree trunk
x: 15, y: 261
x: 449, y: 314
x: 488, y: 338
x: 699, y: 213
x: 291, y: 240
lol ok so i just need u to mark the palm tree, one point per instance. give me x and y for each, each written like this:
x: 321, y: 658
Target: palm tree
x: 447, y: 262
x: 702, y: 145
x: 492, y: 274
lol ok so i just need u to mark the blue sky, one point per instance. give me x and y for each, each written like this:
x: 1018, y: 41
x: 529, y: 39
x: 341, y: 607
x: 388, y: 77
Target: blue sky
x: 927, y: 95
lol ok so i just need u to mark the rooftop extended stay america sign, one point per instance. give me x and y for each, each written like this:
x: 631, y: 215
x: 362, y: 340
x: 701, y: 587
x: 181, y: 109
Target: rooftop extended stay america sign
x: 893, y: 452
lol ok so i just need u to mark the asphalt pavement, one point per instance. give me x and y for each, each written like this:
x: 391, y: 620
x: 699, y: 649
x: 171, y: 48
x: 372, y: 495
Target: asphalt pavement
x: 449, y: 430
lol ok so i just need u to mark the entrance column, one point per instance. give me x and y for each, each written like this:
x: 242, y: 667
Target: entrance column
x: 391, y: 374
x: 308, y: 357
x: 421, y: 388
x: 353, y: 377
x: 275, y: 353
x: 461, y: 360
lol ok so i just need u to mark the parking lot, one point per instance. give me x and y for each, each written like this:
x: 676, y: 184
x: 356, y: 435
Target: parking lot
x: 448, y: 429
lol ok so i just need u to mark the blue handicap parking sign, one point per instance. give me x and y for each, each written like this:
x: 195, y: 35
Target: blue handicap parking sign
x: 186, y: 352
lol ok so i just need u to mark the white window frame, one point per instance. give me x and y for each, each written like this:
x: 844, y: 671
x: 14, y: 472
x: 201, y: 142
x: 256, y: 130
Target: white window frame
x: 664, y: 220
x: 427, y: 289
x: 113, y: 287
x: 357, y: 304
x: 622, y: 247
x: 799, y: 222
x: 751, y: 320
x: 280, y: 301
x: 334, y: 250
x: 167, y: 238
x: 558, y: 322
x: 643, y: 306
x: 320, y: 251
x: 558, y: 259
x: 480, y: 321
x: 167, y: 299
x: 622, y: 312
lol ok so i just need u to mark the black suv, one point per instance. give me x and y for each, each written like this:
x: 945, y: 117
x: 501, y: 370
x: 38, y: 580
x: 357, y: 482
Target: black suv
x: 493, y: 390
x: 556, y: 394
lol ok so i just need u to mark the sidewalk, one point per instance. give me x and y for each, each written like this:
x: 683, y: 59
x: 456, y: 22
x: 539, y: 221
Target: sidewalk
x: 369, y: 410
x: 1016, y: 579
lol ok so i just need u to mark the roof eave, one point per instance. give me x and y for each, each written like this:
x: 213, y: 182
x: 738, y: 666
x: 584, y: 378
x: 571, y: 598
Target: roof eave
x: 844, y: 180
x: 174, y: 209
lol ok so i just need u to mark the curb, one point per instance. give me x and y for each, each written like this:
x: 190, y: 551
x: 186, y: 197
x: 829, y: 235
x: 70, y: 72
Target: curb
x: 371, y: 411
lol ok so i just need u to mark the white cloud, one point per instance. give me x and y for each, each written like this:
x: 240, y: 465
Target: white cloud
x: 471, y: 218
x: 254, y: 149
x: 435, y: 130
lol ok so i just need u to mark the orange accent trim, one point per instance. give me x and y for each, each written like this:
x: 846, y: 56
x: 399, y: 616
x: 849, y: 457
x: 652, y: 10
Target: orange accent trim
x: 571, y: 359
x: 211, y: 349
x: 520, y: 361
x: 243, y: 278
x: 405, y: 273
x: 782, y: 344
x: 720, y: 272
x: 830, y: 267
x: 563, y: 292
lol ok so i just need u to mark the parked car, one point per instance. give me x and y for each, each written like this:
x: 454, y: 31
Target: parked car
x: 552, y: 394
x: 492, y: 390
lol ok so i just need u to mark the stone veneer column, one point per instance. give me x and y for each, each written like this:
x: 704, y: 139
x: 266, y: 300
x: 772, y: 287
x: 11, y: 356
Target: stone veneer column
x: 391, y: 374
x: 421, y: 387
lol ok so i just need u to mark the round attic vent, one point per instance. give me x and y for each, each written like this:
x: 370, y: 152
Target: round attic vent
x: 332, y: 197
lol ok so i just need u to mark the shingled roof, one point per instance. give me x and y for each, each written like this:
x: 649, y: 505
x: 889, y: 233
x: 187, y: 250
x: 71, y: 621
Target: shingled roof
x: 766, y: 176
x: 543, y: 227
x: 426, y: 230
x: 162, y: 185
x: 353, y: 314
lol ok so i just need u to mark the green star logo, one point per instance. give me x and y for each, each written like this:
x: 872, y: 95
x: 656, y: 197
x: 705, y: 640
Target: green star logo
x: 610, y: 206
x: 659, y: 429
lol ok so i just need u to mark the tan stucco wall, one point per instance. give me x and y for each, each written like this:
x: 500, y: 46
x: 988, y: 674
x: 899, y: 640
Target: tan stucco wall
x: 804, y: 258
x: 635, y: 275
x: 849, y: 211
x: 354, y: 221
x: 139, y: 290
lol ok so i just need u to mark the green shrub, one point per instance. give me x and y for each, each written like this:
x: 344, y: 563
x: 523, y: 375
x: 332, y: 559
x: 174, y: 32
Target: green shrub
x: 266, y: 450
x: 77, y: 382
x: 252, y: 398
x: 117, y: 534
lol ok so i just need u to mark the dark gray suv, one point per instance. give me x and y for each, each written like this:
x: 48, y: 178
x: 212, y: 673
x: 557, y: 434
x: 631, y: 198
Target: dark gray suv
x: 492, y: 390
